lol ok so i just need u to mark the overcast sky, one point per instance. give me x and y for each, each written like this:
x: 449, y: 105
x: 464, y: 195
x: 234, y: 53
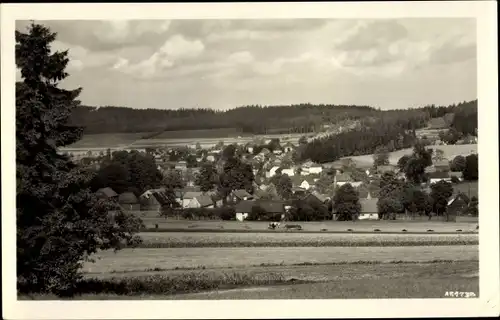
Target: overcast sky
x: 228, y: 63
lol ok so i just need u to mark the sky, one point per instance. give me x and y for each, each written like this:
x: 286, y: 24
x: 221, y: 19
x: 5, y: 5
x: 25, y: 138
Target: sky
x: 223, y: 64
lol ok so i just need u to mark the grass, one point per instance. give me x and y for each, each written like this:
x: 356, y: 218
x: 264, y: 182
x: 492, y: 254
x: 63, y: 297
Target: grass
x: 208, y: 133
x: 292, y: 239
x: 148, y: 259
x: 376, y: 280
x: 450, y: 151
x: 108, y: 140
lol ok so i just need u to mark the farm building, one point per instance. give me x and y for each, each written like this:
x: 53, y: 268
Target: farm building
x: 150, y: 201
x: 369, y: 209
x: 107, y: 193
x: 457, y: 205
x: 439, y: 176
x: 273, y: 207
x: 128, y: 201
x: 202, y: 201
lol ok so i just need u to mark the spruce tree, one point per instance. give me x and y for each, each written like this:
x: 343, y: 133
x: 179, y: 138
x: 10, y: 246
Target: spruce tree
x: 60, y: 223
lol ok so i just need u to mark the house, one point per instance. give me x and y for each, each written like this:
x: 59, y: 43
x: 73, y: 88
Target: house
x: 342, y: 179
x: 303, y: 182
x: 437, y: 123
x: 297, y: 191
x: 439, y: 176
x: 239, y: 195
x: 153, y: 199
x: 277, y: 151
x: 128, y: 201
x: 386, y: 168
x: 315, y: 169
x: 202, y: 201
x: 107, y: 193
x: 442, y: 165
x: 183, y: 197
x: 210, y: 158
x: 243, y: 209
x: 181, y: 165
x: 457, y: 205
x: 289, y: 172
x: 272, y: 172
x: 369, y: 209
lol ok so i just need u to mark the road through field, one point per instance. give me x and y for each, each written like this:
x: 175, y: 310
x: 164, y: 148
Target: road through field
x: 170, y: 258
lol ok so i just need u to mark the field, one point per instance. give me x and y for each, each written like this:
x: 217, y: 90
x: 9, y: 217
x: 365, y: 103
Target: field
x: 108, y: 140
x: 370, y: 280
x: 208, y: 133
x: 450, y: 151
x: 139, y: 260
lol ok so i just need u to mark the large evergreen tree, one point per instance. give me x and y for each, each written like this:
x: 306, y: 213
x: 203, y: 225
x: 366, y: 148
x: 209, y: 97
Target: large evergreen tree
x: 59, y: 221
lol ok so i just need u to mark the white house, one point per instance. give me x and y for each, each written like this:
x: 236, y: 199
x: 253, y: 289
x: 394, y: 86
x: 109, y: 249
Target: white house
x: 202, y: 201
x: 439, y: 176
x: 272, y: 172
x: 315, y: 169
x: 210, y: 158
x: 290, y: 172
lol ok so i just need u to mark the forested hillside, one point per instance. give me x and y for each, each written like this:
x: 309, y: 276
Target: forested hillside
x: 300, y: 118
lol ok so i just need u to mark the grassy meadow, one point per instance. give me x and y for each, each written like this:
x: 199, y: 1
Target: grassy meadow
x: 108, y: 140
x: 450, y: 151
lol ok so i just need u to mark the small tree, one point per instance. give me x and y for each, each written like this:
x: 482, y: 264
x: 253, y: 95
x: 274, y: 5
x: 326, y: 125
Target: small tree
x: 438, y: 155
x: 441, y: 191
x: 380, y: 157
x: 458, y: 163
x: 346, y: 203
x: 471, y: 167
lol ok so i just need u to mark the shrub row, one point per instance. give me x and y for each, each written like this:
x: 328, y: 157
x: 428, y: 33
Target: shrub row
x: 222, y: 213
x: 165, y: 284
x: 327, y: 243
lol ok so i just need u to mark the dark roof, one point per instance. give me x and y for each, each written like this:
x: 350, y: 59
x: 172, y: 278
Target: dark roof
x: 204, y: 200
x: 244, y: 206
x: 127, y: 198
x: 108, y: 192
x: 241, y: 194
x: 272, y: 206
x: 162, y: 197
x: 368, y: 205
x: 439, y: 175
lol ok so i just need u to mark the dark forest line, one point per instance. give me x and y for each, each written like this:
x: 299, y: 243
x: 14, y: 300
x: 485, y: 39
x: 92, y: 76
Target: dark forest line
x: 300, y: 118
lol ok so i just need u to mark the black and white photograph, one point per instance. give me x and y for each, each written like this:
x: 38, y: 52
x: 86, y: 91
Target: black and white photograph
x: 247, y: 157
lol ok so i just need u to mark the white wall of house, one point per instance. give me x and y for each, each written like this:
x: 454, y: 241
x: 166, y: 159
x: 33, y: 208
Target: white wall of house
x: 434, y: 180
x: 355, y: 184
x: 193, y: 203
x: 241, y: 216
x: 289, y: 172
x: 272, y: 172
x: 210, y: 158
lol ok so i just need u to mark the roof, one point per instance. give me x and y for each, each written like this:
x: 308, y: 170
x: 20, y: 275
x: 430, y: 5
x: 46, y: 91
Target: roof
x: 127, y: 198
x: 457, y: 197
x: 241, y: 194
x: 204, y: 200
x: 108, y: 192
x: 343, y: 177
x: 438, y: 175
x: 320, y: 196
x: 244, y: 206
x: 188, y: 195
x: 162, y: 197
x: 368, y: 205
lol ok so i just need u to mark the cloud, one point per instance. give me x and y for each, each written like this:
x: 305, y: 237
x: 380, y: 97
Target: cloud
x: 173, y: 51
x: 241, y: 57
x: 452, y: 51
x: 373, y: 34
x: 81, y: 57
